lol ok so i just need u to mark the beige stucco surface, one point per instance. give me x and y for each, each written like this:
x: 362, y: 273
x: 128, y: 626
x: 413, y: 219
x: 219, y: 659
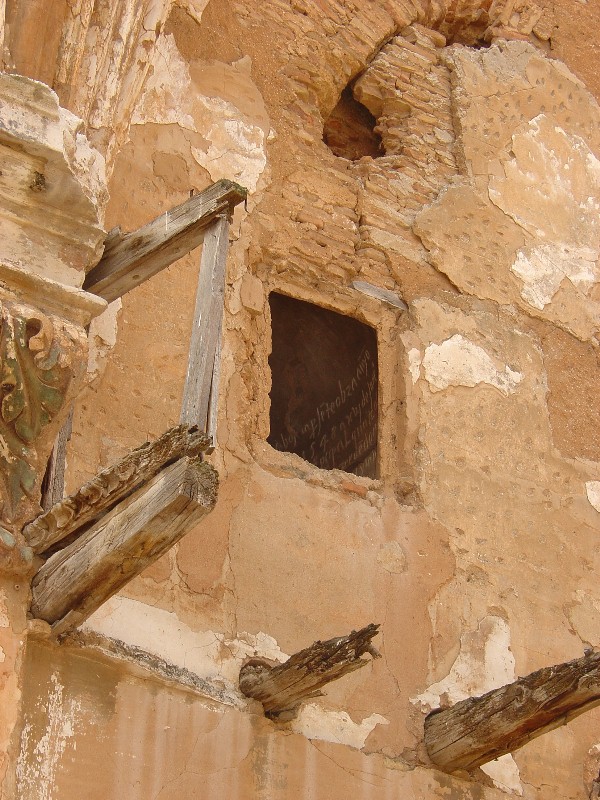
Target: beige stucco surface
x: 477, y: 547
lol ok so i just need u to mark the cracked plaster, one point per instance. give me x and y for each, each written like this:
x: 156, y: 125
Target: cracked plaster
x: 4, y: 620
x: 193, y: 7
x: 36, y: 769
x: 160, y: 633
x: 233, y: 144
x: 485, y: 662
x: 102, y: 337
x: 583, y: 614
x: 167, y: 91
x: 551, y: 189
x: 459, y: 362
x: 537, y: 162
x: 325, y: 725
x: 485, y: 511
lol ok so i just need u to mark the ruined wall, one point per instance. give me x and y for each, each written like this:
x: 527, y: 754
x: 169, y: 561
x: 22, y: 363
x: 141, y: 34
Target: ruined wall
x: 476, y: 546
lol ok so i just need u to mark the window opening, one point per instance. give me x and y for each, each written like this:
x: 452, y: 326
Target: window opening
x: 324, y: 386
x: 349, y: 131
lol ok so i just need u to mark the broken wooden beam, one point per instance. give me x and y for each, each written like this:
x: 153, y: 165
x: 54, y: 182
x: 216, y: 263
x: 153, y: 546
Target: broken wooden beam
x: 53, y: 485
x: 106, y: 489
x: 480, y: 729
x: 76, y: 580
x: 132, y: 258
x: 282, y: 688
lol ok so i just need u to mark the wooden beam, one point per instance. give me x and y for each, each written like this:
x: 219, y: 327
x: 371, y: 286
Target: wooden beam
x: 281, y: 689
x: 130, y: 259
x: 74, y: 582
x: 206, y: 329
x: 97, y: 496
x: 480, y: 729
x: 213, y: 404
x: 53, y: 487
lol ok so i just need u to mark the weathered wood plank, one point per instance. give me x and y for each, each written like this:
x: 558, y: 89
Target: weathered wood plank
x: 206, y: 329
x: 114, y: 483
x: 54, y: 480
x: 281, y: 689
x: 74, y: 582
x: 213, y: 404
x: 480, y: 729
x: 130, y: 259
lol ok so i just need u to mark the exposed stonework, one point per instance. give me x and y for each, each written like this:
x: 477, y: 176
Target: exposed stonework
x: 476, y: 548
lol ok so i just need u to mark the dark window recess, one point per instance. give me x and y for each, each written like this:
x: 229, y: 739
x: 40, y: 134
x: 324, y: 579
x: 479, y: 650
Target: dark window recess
x: 324, y: 387
x: 349, y: 131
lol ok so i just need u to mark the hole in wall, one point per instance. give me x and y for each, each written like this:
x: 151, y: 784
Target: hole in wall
x: 349, y: 131
x: 324, y: 387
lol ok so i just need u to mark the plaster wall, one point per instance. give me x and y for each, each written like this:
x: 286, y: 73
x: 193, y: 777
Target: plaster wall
x: 476, y: 549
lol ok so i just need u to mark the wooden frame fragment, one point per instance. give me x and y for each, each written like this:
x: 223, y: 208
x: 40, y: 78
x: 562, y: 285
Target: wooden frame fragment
x: 53, y: 486
x: 76, y: 580
x: 480, y: 729
x: 128, y: 515
x: 132, y: 258
x: 201, y: 383
x: 114, y: 483
x: 282, y: 688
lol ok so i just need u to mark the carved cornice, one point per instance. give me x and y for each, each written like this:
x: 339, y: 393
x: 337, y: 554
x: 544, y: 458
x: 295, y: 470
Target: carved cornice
x: 52, y: 187
x: 51, y: 297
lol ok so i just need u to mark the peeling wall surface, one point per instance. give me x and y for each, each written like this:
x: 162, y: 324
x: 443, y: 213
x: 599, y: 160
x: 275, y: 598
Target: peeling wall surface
x: 477, y: 547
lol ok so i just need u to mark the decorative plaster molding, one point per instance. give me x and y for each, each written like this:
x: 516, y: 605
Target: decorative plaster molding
x: 40, y: 356
x: 51, y: 297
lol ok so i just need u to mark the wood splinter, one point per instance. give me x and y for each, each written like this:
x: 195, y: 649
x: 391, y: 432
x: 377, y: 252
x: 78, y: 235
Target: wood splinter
x: 480, y: 729
x: 282, y: 688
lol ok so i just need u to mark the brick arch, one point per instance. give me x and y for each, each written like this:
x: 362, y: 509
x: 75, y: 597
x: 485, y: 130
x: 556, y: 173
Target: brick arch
x: 472, y: 21
x: 351, y: 47
x: 97, y: 60
x: 372, y: 110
